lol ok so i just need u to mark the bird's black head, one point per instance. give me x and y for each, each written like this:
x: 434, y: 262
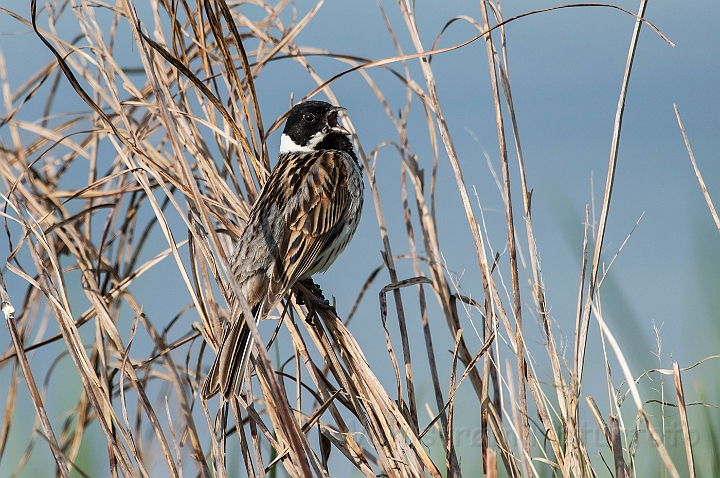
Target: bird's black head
x: 313, y: 126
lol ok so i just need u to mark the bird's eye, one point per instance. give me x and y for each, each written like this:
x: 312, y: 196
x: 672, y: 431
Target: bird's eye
x: 309, y: 118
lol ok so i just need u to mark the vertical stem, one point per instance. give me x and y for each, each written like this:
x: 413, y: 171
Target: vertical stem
x: 517, y: 304
x: 581, y: 334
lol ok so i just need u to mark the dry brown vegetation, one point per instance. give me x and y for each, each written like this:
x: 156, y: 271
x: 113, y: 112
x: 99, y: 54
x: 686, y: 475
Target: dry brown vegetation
x: 179, y: 149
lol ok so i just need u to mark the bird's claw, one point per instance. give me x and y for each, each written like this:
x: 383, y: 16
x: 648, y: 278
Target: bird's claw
x: 313, y: 298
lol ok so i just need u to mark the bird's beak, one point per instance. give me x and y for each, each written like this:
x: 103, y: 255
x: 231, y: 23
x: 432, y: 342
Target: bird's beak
x: 332, y: 121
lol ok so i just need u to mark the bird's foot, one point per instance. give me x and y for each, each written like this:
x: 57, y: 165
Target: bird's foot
x: 313, y: 297
x: 313, y: 288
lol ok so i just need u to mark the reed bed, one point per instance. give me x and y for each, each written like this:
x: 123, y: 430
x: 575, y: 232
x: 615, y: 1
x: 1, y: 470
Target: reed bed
x: 152, y: 172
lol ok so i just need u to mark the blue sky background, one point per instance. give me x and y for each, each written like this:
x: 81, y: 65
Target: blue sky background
x: 566, y: 68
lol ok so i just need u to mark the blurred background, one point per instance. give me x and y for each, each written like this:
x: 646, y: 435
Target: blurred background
x: 660, y: 298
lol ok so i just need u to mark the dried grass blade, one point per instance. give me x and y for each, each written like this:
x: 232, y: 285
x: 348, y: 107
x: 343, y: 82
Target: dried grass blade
x: 9, y: 312
x: 468, y: 369
x: 451, y: 459
x: 684, y: 420
x: 250, y: 79
x: 201, y: 86
x: 614, y: 149
x: 697, y: 170
x: 657, y: 441
x: 511, y: 243
x: 599, y: 419
x: 54, y: 293
x: 503, y: 442
x: 388, y: 422
x: 234, y: 79
x: 621, y: 470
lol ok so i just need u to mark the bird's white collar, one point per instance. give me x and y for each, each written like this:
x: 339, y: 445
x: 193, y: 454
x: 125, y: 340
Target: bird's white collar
x: 287, y: 145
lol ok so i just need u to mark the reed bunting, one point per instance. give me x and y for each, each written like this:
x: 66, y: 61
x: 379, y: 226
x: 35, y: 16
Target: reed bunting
x: 306, y: 214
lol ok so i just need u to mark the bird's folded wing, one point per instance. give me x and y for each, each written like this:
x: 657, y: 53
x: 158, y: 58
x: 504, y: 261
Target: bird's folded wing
x: 318, y: 201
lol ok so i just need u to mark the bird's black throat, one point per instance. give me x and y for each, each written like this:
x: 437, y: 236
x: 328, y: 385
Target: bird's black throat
x: 339, y: 142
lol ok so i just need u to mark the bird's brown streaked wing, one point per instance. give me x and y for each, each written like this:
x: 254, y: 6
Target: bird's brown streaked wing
x: 311, y: 191
x: 322, y: 194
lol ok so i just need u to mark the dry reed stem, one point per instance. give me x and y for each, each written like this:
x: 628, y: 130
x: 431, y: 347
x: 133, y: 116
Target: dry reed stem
x: 581, y: 333
x: 522, y: 421
x: 657, y: 441
x: 684, y: 420
x: 704, y: 190
x: 9, y: 313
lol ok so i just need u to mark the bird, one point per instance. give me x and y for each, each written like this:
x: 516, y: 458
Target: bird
x: 306, y: 214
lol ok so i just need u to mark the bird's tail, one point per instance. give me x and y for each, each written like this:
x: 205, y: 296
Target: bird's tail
x: 227, y: 372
